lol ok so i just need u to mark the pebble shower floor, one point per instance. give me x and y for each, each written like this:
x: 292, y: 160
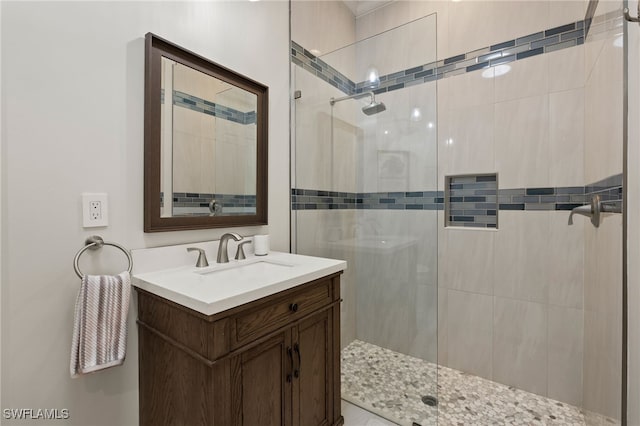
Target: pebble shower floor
x: 391, y: 385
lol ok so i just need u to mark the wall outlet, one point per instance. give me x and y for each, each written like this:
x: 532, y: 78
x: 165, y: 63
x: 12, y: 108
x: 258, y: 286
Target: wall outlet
x: 94, y: 210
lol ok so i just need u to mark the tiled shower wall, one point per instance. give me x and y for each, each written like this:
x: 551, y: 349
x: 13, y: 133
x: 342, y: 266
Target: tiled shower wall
x: 603, y: 245
x: 510, y: 302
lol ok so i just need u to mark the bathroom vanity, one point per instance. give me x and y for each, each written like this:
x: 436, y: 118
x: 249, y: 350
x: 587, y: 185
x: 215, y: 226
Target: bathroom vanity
x: 253, y: 343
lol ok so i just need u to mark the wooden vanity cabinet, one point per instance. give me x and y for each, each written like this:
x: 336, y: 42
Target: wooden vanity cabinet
x: 271, y: 362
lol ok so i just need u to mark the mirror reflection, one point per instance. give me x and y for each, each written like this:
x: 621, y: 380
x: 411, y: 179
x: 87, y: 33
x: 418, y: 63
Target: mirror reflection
x: 208, y: 145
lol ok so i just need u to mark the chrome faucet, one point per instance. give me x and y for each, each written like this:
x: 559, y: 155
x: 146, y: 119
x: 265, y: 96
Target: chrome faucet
x: 202, y: 257
x: 223, y: 255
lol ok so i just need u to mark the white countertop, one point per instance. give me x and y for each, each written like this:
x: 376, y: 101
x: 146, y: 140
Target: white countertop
x: 236, y: 283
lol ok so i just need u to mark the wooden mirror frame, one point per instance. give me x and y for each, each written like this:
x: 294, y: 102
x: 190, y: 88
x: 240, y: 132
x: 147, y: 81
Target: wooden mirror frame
x: 155, y: 49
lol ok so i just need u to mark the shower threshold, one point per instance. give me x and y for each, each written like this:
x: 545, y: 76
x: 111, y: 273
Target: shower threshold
x: 392, y: 385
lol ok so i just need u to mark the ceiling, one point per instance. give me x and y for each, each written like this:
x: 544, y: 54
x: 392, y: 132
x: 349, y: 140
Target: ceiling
x: 361, y: 7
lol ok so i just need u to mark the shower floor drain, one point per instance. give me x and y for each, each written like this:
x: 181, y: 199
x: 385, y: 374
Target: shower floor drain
x: 429, y: 400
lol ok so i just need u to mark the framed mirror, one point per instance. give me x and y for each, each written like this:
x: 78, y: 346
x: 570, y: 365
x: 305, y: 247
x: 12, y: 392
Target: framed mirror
x: 205, y: 142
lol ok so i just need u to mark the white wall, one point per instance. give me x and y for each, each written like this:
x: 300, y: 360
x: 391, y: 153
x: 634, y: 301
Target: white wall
x: 72, y: 103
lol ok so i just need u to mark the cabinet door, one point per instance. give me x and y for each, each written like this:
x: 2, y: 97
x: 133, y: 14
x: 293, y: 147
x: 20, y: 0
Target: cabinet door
x: 261, y: 388
x: 313, y: 356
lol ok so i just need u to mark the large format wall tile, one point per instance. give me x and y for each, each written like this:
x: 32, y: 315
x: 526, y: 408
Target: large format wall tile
x: 565, y: 251
x: 470, y: 332
x: 566, y: 138
x: 524, y: 79
x: 308, y: 25
x: 565, y: 360
x: 467, y: 260
x: 566, y: 68
x: 520, y: 344
x: 521, y: 260
x: 469, y: 147
x: 471, y: 89
x: 522, y: 142
x: 603, y: 316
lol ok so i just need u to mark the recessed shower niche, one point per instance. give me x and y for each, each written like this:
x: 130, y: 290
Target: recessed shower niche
x: 471, y: 200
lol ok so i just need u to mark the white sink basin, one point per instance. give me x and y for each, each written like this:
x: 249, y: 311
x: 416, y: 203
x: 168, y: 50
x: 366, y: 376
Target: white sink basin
x: 224, y: 286
x: 256, y: 266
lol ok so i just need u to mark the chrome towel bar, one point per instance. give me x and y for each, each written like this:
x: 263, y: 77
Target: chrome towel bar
x: 95, y: 242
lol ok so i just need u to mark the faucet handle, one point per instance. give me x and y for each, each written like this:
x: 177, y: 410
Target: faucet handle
x: 240, y: 252
x: 202, y: 257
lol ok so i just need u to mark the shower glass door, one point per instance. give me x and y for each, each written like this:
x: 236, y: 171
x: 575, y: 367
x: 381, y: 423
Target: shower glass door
x: 365, y: 189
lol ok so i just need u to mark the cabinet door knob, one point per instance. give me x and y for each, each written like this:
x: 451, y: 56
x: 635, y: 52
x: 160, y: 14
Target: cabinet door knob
x: 293, y: 307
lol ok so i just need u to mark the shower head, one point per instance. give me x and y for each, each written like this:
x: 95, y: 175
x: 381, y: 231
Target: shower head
x: 373, y: 107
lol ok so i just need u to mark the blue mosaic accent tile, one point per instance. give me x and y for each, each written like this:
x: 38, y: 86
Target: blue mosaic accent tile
x: 503, y: 45
x: 572, y: 35
x: 207, y: 107
x: 604, y: 23
x: 489, y: 56
x: 550, y: 40
x: 320, y: 68
x: 546, y: 41
x: 503, y: 60
x: 469, y: 196
x: 513, y: 206
x: 529, y: 38
x: 303, y: 199
x: 567, y: 206
x: 478, y: 66
x: 529, y: 53
x: 189, y: 199
x: 560, y: 29
x: 540, y: 191
x: 559, y: 46
x: 453, y: 59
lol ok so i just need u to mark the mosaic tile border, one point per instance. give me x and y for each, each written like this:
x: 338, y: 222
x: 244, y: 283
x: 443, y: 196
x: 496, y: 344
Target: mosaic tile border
x: 602, y: 24
x: 217, y: 110
x: 546, y: 41
x: 204, y: 106
x: 547, y: 198
x: 193, y: 199
x: 311, y: 199
x: 316, y: 66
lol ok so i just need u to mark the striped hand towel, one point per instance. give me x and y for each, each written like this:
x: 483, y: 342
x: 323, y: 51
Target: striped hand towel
x: 100, y: 328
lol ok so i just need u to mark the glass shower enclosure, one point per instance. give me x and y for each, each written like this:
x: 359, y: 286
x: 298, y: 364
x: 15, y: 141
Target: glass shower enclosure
x: 364, y: 189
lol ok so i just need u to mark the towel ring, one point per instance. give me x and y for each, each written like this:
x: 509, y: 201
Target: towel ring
x: 95, y: 242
